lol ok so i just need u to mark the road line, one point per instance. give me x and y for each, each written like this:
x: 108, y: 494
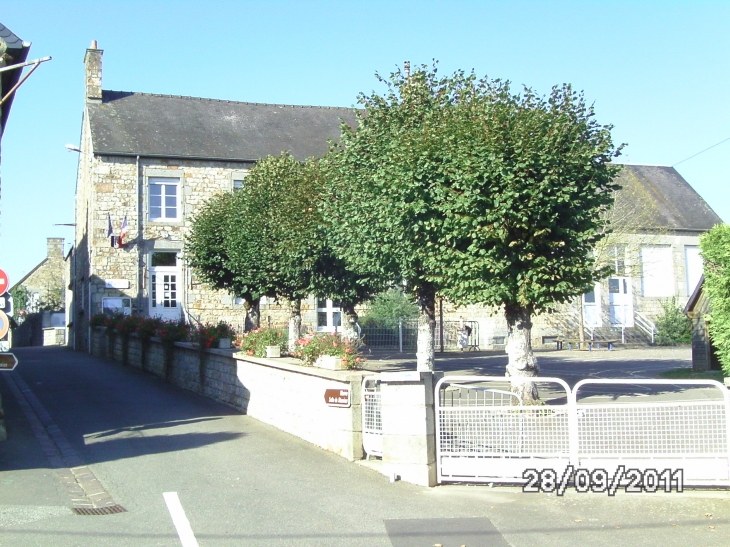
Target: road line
x: 180, y: 520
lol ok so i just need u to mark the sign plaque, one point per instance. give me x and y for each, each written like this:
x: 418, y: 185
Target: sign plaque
x: 8, y: 361
x: 337, y: 397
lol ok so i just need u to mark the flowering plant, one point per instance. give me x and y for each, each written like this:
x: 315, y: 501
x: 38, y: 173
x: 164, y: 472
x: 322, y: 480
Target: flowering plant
x: 204, y: 335
x: 254, y: 342
x: 170, y: 332
x: 311, y: 347
x: 224, y: 330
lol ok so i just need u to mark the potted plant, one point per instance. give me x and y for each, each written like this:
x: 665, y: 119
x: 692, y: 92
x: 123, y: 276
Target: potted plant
x: 225, y: 335
x: 328, y: 350
x: 262, y: 342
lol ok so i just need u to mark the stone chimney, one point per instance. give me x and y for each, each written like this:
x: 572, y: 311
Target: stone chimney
x: 55, y: 247
x: 92, y: 60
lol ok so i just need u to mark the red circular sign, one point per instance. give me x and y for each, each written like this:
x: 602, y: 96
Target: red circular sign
x: 4, y: 282
x: 4, y: 324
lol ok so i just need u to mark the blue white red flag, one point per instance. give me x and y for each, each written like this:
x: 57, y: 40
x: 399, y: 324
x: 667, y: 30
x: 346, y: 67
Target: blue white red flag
x: 123, y: 232
x: 109, y: 229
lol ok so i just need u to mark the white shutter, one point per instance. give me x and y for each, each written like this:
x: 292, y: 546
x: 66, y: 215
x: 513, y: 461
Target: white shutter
x: 693, y: 266
x: 657, y: 271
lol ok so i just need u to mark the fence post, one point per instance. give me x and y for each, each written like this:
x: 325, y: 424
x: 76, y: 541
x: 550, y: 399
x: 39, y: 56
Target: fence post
x: 400, y: 334
x: 409, y: 427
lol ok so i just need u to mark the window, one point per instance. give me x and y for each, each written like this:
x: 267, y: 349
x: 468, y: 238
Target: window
x: 693, y: 267
x: 164, y: 194
x: 657, y: 277
x: 239, y: 179
x: 329, y: 316
x: 618, y: 254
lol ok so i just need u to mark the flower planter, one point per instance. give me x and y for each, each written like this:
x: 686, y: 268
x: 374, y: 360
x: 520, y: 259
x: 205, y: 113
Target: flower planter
x: 273, y: 351
x: 224, y: 343
x: 330, y: 362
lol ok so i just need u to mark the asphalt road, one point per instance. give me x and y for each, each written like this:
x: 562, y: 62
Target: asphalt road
x: 240, y: 482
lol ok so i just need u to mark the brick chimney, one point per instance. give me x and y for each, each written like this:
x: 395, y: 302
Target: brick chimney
x: 92, y: 60
x: 55, y: 247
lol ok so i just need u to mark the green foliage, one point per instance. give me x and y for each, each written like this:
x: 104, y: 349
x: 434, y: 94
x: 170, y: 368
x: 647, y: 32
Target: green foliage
x: 266, y: 239
x: 207, y: 336
x: 254, y: 342
x: 21, y: 297
x: 673, y: 327
x: 310, y: 348
x: 170, y: 332
x: 463, y: 188
x: 715, y: 246
x: 388, y: 307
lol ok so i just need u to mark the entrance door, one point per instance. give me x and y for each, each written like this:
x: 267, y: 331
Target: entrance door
x: 620, y: 302
x: 592, y: 308
x: 165, y: 288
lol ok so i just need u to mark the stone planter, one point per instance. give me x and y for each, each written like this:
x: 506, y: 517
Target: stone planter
x: 330, y: 362
x: 224, y: 343
x: 273, y: 352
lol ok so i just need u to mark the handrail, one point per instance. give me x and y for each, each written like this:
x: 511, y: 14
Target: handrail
x: 645, y: 324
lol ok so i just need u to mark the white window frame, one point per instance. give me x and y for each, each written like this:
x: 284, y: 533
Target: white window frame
x: 164, y: 182
x: 331, y: 312
x: 238, y: 177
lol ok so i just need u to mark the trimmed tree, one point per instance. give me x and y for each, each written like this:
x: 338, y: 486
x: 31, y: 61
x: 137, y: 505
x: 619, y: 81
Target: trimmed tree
x: 267, y: 239
x: 462, y: 188
x: 715, y: 246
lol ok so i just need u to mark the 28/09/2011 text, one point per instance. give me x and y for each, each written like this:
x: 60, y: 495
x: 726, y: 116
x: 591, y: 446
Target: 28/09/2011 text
x: 600, y: 480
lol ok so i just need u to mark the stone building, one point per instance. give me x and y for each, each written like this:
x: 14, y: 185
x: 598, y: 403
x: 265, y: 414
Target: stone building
x: 152, y: 160
x: 43, y: 321
x: 653, y: 253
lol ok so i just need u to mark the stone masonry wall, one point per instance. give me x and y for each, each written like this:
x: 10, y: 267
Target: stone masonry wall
x: 275, y: 391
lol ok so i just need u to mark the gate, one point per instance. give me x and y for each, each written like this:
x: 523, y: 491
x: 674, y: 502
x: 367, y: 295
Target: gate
x: 484, y: 436
x: 372, y: 426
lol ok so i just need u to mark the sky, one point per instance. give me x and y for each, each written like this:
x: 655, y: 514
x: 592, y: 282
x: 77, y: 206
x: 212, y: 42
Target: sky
x: 659, y: 72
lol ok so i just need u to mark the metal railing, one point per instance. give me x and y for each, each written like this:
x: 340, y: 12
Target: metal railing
x: 372, y: 425
x: 646, y: 325
x: 599, y: 425
x: 402, y: 335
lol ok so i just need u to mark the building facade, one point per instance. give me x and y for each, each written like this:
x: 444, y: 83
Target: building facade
x: 146, y: 164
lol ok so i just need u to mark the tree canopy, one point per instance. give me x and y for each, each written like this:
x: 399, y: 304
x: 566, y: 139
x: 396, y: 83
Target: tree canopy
x: 715, y: 247
x: 460, y: 187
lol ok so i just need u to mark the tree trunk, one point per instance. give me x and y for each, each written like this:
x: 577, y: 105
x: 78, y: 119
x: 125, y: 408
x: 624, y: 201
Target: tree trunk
x: 426, y: 330
x: 522, y: 361
x: 349, y: 330
x: 253, y: 315
x: 295, y: 324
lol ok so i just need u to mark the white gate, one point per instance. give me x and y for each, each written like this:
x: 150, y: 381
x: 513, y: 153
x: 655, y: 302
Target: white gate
x: 372, y: 425
x: 600, y: 424
x: 685, y: 426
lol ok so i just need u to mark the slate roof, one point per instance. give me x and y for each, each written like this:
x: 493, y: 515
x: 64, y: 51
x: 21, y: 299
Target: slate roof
x: 672, y: 203
x: 18, y: 50
x: 131, y: 124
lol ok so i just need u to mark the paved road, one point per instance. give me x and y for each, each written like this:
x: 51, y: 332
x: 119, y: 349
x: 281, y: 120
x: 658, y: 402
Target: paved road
x: 240, y: 482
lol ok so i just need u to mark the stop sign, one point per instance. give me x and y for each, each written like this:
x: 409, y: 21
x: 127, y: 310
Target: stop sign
x: 4, y: 282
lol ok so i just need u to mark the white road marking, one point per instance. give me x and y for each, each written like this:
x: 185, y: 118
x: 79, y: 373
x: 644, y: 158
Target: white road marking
x: 181, y: 522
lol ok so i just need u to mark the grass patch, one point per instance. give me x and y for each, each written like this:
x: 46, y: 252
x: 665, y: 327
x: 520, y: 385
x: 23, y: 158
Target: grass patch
x: 689, y: 374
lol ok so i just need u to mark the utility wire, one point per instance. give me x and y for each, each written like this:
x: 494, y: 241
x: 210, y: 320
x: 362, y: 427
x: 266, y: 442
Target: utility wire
x: 702, y: 152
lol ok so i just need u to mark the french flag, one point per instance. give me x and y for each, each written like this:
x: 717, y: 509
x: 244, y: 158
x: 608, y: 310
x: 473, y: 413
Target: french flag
x: 122, y: 233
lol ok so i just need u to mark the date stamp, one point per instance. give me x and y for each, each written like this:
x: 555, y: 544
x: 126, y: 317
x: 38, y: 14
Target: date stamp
x: 633, y: 481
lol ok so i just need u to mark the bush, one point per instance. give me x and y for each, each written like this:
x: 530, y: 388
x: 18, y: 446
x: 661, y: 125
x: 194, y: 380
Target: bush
x: 170, y: 332
x: 715, y: 246
x: 388, y: 307
x: 309, y: 348
x: 673, y: 327
x: 254, y: 342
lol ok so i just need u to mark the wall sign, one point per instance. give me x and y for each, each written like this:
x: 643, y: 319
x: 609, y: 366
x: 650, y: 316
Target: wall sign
x: 337, y: 397
x: 116, y: 283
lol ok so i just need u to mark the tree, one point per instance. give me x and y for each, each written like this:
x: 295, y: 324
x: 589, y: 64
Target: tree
x: 21, y: 298
x: 481, y: 195
x: 266, y: 239
x: 715, y: 248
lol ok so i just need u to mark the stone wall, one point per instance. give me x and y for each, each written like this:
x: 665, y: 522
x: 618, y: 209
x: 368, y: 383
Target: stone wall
x: 279, y: 392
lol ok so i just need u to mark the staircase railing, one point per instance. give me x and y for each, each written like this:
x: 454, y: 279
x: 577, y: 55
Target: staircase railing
x: 646, y: 325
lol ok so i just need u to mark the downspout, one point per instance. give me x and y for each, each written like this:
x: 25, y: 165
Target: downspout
x: 139, y: 239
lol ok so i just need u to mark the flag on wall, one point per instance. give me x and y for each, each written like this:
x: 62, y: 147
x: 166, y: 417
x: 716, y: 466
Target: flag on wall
x: 123, y: 232
x: 109, y: 229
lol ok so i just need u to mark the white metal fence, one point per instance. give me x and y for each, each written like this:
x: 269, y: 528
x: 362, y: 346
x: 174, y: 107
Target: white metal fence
x: 372, y: 426
x: 599, y: 424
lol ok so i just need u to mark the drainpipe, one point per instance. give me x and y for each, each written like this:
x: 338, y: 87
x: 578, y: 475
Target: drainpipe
x: 139, y: 239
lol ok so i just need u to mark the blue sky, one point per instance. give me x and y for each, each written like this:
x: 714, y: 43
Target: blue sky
x: 658, y: 71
